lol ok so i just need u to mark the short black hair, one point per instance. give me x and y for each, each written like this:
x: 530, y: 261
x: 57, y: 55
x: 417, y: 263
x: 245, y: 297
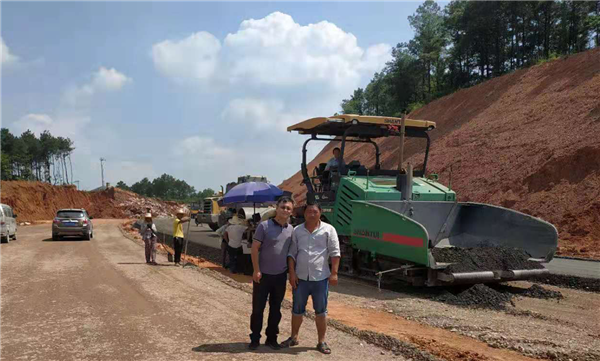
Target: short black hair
x: 316, y: 204
x: 337, y: 149
x: 285, y: 200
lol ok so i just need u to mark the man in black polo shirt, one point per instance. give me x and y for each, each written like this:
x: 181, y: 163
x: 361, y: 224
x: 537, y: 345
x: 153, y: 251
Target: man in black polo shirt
x: 269, y: 258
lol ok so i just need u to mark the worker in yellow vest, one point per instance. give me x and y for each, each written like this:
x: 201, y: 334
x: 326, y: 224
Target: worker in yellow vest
x: 178, y: 237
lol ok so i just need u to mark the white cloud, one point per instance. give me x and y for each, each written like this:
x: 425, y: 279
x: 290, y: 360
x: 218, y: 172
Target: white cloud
x: 7, y: 57
x: 274, y: 51
x: 274, y: 68
x: 103, y: 80
x: 203, y: 149
x: 258, y: 113
x: 194, y: 57
x: 37, y: 123
x: 66, y: 126
x: 109, y: 80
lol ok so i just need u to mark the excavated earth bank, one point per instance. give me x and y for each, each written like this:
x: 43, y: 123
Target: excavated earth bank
x: 34, y: 201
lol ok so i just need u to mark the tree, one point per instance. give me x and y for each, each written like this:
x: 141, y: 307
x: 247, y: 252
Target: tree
x: 206, y: 193
x: 143, y: 187
x: 356, y: 103
x: 429, y: 41
x: 123, y: 185
x: 28, y: 157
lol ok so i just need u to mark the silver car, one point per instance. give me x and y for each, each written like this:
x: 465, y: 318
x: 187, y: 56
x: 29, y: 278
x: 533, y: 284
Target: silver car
x: 8, y: 223
x: 72, y: 222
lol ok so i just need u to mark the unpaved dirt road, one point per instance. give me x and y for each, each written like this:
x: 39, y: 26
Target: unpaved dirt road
x: 98, y: 300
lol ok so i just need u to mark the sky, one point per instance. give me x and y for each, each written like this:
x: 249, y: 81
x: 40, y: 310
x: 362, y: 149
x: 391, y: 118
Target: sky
x: 201, y: 91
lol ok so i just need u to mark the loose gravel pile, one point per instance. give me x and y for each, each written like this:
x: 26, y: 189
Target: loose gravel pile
x: 495, y: 297
x: 578, y: 283
x: 537, y: 291
x: 477, y: 296
x: 484, y: 259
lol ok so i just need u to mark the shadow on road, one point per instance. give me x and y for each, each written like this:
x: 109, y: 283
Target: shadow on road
x: 145, y: 264
x: 242, y: 347
x: 207, y: 233
x: 73, y: 239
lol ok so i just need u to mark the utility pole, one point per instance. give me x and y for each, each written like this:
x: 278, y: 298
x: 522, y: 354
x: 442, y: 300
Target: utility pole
x: 77, y: 184
x: 102, y: 160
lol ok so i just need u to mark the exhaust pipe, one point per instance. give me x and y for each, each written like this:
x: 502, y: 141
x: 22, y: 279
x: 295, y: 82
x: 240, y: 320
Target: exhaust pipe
x: 404, y: 183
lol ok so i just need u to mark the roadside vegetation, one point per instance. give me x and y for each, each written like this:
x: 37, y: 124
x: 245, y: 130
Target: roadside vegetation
x: 168, y: 188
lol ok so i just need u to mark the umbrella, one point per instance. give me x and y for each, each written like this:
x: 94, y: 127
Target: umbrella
x: 252, y: 192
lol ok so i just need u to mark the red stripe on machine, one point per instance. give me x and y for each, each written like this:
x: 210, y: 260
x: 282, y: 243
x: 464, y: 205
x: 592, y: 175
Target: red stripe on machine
x: 403, y: 240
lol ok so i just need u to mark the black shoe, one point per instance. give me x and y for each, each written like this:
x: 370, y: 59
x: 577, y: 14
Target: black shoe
x: 273, y: 344
x: 253, y: 345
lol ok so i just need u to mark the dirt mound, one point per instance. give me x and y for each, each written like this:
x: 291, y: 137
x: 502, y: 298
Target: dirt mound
x: 484, y: 259
x: 579, y: 283
x: 495, y: 297
x: 34, y: 201
x: 537, y: 291
x: 529, y: 140
x: 477, y: 296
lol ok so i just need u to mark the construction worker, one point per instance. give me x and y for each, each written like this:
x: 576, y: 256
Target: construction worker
x: 270, y: 246
x: 233, y: 235
x: 178, y: 236
x: 313, y: 243
x: 336, y: 161
x: 148, y: 232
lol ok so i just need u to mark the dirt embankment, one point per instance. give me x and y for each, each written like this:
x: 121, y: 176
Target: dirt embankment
x: 34, y: 201
x: 529, y: 141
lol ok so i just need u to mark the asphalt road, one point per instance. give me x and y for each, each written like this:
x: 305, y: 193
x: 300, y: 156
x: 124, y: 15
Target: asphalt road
x: 99, y: 300
x: 574, y: 267
x: 561, y: 266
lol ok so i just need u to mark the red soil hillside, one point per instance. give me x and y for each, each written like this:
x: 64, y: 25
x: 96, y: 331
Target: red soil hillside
x: 529, y: 141
x: 33, y: 201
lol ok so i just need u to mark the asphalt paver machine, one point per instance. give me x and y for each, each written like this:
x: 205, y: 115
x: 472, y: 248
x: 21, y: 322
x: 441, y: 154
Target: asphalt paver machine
x: 400, y: 222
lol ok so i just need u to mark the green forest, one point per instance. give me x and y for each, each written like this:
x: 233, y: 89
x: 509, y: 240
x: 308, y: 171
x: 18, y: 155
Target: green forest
x: 167, y: 187
x: 27, y: 157
x: 468, y: 42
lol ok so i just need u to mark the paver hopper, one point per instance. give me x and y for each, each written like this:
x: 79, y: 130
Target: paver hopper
x: 415, y: 233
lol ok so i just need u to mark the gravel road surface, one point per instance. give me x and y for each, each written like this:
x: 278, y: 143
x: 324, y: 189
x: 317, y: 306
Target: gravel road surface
x: 98, y: 300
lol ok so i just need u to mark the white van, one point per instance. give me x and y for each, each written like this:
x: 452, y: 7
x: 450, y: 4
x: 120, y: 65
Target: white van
x: 8, y: 223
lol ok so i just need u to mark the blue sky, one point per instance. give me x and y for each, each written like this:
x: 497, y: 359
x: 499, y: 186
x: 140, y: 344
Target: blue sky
x: 201, y: 91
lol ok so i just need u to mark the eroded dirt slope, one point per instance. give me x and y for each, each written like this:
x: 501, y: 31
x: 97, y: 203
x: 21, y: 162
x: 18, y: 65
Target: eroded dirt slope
x: 34, y: 201
x: 529, y: 140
